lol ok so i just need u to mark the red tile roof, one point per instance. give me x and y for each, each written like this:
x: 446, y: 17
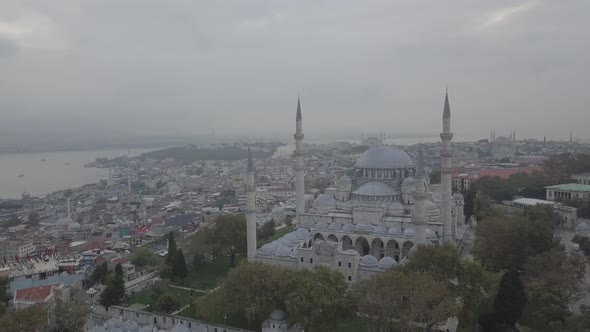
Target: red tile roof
x: 34, y: 294
x: 503, y: 173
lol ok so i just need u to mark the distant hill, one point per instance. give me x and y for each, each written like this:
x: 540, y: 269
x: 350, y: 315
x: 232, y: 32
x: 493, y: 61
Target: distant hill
x: 191, y: 153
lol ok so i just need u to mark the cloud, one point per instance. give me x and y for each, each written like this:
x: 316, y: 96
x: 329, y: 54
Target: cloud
x: 503, y: 15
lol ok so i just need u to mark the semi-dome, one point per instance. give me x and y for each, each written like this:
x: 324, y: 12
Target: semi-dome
x: 64, y: 222
x: 394, y: 230
x: 386, y: 157
x: 429, y: 206
x: 387, y: 262
x: 396, y: 206
x: 409, y: 181
x: 429, y: 232
x: 369, y: 260
x: 345, y: 179
x: 375, y: 188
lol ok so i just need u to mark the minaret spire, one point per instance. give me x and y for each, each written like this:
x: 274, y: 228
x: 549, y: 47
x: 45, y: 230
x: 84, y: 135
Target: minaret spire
x: 299, y: 164
x: 446, y: 172
x: 250, y: 209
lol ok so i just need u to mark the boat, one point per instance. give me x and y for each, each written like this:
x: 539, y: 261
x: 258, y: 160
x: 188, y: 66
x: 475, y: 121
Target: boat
x: 21, y: 175
x: 43, y: 159
x: 66, y: 163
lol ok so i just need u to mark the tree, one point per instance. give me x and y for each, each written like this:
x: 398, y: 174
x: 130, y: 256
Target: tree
x: 435, y: 176
x: 266, y: 231
x: 179, y: 265
x: 101, y: 274
x: 464, y: 279
x: 71, y: 314
x: 4, y: 296
x: 229, y: 234
x: 142, y: 257
x: 115, y: 291
x: 318, y: 298
x: 34, y: 218
x: 410, y: 297
x: 171, y: 247
x: 31, y: 319
x: 168, y: 304
x: 511, y: 298
x: 14, y: 220
x: 558, y: 271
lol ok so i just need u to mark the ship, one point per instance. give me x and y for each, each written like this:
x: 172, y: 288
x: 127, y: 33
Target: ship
x: 43, y: 159
x: 66, y: 163
x: 21, y: 175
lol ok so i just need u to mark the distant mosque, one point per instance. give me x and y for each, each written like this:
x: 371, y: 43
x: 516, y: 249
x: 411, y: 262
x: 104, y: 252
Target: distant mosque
x: 372, y: 219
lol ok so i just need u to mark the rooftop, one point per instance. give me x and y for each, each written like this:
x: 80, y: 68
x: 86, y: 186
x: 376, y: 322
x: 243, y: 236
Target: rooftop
x: 34, y: 294
x: 571, y: 187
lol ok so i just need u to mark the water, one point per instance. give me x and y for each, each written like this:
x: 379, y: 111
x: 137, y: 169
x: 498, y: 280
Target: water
x: 41, y: 178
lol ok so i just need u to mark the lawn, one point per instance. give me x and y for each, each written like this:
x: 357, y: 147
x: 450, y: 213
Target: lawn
x: 150, y: 297
x: 281, y: 232
x: 208, y: 275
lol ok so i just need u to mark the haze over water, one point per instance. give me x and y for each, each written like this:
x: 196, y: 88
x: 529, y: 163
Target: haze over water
x: 41, y: 178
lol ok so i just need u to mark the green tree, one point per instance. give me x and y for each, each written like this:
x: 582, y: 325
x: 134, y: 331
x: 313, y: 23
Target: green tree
x: 266, y: 231
x: 115, y: 291
x: 101, y: 274
x: 229, y: 235
x: 171, y: 247
x: 4, y: 295
x: 464, y: 279
x: 168, y: 303
x: 410, y: 297
x: 510, y: 299
x: 34, y: 218
x: 318, y: 298
x: 31, y: 319
x: 179, y: 265
x: 142, y: 256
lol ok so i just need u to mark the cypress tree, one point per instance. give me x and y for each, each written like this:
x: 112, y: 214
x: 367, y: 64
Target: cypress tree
x: 511, y: 298
x: 179, y: 265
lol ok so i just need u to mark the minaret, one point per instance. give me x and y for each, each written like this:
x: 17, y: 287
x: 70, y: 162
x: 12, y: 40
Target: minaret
x: 420, y: 194
x: 299, y: 165
x: 250, y: 209
x: 69, y: 208
x: 446, y: 172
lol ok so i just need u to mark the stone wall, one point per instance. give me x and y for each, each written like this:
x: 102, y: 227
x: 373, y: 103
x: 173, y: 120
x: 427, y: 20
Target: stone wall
x: 162, y: 321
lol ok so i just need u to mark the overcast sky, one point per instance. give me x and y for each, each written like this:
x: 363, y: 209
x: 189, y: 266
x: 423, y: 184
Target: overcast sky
x: 168, y: 67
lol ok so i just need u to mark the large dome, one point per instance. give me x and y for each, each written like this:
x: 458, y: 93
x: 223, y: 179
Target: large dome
x: 375, y: 188
x: 384, y: 157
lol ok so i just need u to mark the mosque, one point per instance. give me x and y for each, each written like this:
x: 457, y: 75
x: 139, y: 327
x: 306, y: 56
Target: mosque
x: 371, y: 220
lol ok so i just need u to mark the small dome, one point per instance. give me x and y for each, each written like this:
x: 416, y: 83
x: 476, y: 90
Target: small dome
x: 369, y: 260
x: 458, y: 197
x: 396, y: 206
x: 348, y: 227
x: 384, y: 157
x: 64, y: 222
x: 278, y: 315
x: 375, y: 188
x: 363, y: 227
x: 180, y: 328
x: 130, y: 326
x: 74, y: 226
x: 283, y: 251
x: 394, y: 230
x: 429, y: 206
x: 387, y: 262
x: 335, y: 226
x: 91, y: 290
x: 409, y: 231
x: 293, y: 237
x: 267, y: 249
x: 325, y: 200
x: 583, y: 227
x: 345, y: 179
x: 283, y: 241
x: 379, y: 230
x: 321, y: 225
x: 350, y: 252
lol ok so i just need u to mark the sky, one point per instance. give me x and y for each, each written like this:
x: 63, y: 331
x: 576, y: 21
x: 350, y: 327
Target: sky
x: 186, y: 68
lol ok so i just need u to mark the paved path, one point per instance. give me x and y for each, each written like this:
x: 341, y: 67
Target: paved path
x: 190, y: 289
x: 181, y: 309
